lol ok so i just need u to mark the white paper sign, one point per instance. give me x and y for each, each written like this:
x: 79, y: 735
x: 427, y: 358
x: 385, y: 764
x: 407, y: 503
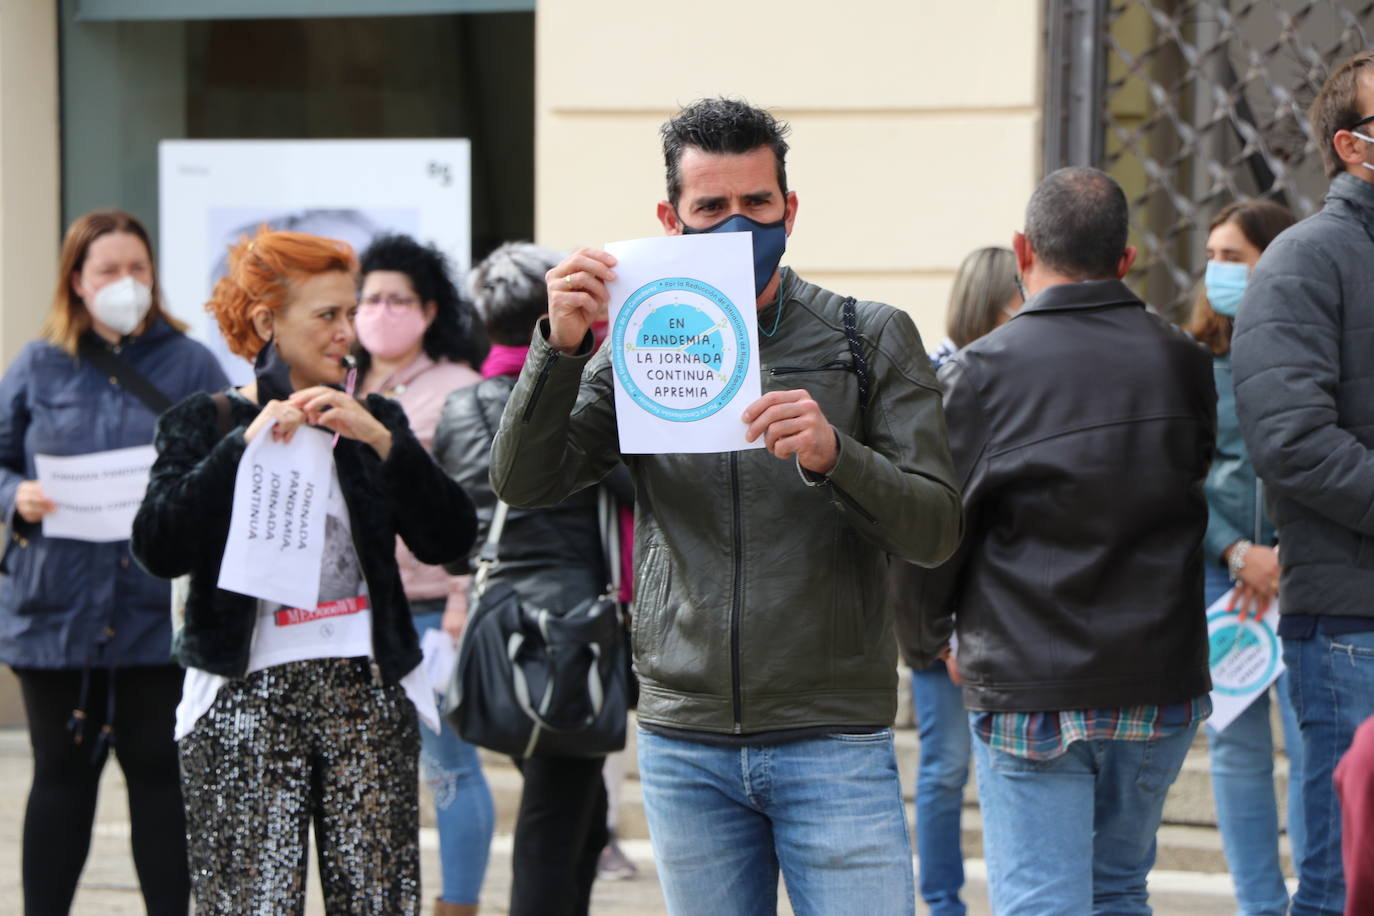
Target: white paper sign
x: 440, y: 657
x: 97, y: 495
x: 684, y: 342
x: 1245, y: 657
x: 276, y: 532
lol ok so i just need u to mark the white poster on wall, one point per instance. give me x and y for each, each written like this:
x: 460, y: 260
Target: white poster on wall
x: 212, y: 192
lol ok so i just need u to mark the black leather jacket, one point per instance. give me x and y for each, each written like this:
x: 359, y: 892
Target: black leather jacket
x: 1082, y: 431
x: 552, y: 557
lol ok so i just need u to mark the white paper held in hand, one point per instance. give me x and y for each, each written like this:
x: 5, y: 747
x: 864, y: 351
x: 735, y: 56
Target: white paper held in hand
x: 97, y: 494
x: 684, y: 342
x: 276, y: 531
x: 1245, y: 658
x: 440, y: 657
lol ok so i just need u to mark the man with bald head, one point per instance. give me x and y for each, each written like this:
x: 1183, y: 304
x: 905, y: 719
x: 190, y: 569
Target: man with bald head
x: 1082, y: 431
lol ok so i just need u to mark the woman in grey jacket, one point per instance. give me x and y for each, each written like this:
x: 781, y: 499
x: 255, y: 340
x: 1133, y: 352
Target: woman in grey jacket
x: 553, y: 558
x: 1241, y: 554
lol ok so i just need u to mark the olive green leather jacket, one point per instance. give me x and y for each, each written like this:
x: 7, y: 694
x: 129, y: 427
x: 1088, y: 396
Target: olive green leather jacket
x: 760, y: 596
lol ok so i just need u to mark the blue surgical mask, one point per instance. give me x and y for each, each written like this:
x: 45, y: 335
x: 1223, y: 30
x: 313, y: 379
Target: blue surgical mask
x: 770, y: 240
x: 1225, y: 283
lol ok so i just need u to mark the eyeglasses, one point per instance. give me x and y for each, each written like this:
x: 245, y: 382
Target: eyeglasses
x: 390, y: 301
x: 1360, y: 123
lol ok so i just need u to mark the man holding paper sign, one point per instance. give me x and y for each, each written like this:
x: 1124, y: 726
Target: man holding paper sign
x: 763, y: 644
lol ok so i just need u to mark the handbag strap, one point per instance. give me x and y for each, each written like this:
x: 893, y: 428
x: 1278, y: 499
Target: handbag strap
x: 93, y: 350
x: 490, y: 554
x: 608, y: 519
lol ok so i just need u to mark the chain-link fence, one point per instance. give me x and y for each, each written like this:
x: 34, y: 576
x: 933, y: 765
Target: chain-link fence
x: 1192, y: 104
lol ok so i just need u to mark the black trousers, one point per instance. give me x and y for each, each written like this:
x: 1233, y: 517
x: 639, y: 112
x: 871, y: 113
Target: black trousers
x: 66, y: 779
x: 559, y: 834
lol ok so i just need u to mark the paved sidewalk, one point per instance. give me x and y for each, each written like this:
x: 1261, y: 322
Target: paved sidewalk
x: 109, y: 888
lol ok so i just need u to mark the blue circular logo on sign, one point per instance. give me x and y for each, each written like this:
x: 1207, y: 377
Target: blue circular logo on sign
x: 679, y: 348
x: 1244, y: 656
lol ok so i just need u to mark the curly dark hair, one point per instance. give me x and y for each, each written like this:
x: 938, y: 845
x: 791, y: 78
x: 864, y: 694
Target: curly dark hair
x: 721, y: 126
x: 455, y: 333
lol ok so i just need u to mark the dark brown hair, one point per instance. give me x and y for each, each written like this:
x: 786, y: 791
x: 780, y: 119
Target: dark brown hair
x: 1260, y: 221
x: 1336, y: 107
x: 721, y: 125
x: 68, y: 318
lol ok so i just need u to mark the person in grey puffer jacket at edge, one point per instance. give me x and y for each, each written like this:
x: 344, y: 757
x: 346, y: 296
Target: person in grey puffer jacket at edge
x: 1304, y: 372
x: 762, y: 638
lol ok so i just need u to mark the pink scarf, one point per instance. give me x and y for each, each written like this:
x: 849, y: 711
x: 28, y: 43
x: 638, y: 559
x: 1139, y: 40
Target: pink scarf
x: 503, y: 360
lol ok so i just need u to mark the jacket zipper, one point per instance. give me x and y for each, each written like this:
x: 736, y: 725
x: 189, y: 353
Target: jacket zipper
x: 737, y: 601
x: 539, y: 385
x: 1259, y: 518
x: 832, y: 366
x: 853, y: 504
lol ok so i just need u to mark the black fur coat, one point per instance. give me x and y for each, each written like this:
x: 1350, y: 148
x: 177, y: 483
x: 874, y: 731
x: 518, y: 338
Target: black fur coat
x: 184, y: 522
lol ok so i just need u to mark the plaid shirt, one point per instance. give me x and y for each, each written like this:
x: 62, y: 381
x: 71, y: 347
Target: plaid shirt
x: 1046, y: 735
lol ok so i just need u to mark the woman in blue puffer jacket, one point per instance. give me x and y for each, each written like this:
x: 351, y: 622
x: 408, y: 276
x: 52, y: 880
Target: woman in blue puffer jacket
x: 86, y: 630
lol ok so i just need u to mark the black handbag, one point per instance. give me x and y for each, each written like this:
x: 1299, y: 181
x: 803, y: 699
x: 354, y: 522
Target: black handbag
x: 531, y: 682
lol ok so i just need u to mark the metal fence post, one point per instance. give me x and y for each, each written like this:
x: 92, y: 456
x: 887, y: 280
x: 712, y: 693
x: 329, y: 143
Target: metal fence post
x: 1076, y: 55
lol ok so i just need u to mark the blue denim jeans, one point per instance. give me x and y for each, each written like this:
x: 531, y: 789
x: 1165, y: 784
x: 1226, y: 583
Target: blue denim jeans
x: 1331, y: 682
x: 1242, y: 759
x: 1075, y: 834
x: 825, y: 811
x: 941, y: 773
x: 463, y: 808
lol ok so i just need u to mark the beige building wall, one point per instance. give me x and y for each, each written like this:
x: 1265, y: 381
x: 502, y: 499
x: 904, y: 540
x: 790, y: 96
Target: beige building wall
x: 915, y: 125
x: 29, y: 193
x: 29, y: 169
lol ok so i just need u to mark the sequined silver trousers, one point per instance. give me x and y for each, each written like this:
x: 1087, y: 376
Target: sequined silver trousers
x: 318, y: 741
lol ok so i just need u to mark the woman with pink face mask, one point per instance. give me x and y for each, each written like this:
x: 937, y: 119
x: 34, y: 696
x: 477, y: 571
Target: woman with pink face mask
x: 419, y: 341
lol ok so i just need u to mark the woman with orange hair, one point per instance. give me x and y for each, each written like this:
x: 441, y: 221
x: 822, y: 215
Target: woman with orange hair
x: 84, y: 628
x: 278, y: 727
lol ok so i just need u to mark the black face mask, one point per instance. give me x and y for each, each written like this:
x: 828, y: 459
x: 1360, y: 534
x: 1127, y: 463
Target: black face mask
x: 273, y: 375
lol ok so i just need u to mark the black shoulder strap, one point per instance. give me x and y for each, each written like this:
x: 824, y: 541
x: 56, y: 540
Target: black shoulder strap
x: 856, y: 350
x: 103, y: 358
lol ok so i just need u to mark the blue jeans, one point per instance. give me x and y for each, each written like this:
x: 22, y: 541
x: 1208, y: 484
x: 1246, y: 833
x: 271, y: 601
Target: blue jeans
x: 827, y: 811
x: 941, y: 773
x: 1075, y: 834
x: 1331, y: 682
x: 1242, y: 758
x: 462, y: 802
